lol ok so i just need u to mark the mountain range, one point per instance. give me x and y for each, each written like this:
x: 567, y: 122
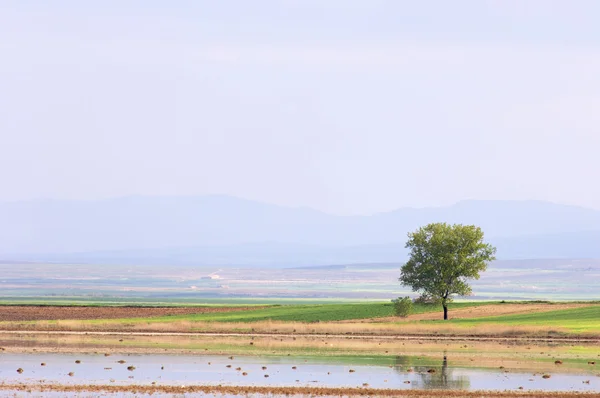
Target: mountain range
x: 226, y: 230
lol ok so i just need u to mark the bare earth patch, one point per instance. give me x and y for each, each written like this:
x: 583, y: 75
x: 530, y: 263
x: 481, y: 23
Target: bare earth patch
x: 478, y: 312
x: 49, y: 313
x: 494, y: 310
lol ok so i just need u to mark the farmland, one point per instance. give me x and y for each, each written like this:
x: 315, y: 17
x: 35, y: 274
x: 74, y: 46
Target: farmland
x: 321, y: 320
x: 47, y: 312
x: 382, y: 363
x: 467, y: 318
x: 575, y: 320
x: 303, y: 348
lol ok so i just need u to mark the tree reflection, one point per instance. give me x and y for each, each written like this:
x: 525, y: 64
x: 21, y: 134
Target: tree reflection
x: 442, y: 378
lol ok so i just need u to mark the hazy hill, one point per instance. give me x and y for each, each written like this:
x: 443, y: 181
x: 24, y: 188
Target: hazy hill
x: 228, y: 230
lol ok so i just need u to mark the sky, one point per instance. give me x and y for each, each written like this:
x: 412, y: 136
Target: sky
x: 350, y: 107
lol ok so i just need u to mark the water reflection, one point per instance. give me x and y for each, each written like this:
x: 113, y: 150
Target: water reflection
x: 431, y: 377
x: 195, y: 369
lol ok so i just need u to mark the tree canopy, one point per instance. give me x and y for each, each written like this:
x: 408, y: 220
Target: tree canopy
x: 443, y: 257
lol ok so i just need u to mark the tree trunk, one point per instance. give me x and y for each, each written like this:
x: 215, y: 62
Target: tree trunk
x: 445, y: 312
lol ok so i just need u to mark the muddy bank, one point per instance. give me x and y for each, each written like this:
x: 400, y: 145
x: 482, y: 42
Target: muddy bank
x: 290, y: 391
x: 349, y: 336
x: 513, y: 357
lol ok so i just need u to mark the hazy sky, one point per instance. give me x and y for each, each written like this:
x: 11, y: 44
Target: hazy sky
x: 341, y: 105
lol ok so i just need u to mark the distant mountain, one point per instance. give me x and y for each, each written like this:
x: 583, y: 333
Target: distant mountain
x: 228, y: 230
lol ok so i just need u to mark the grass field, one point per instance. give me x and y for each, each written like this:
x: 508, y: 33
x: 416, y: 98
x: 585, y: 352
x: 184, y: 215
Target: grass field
x: 309, y: 313
x: 470, y: 318
x: 576, y: 320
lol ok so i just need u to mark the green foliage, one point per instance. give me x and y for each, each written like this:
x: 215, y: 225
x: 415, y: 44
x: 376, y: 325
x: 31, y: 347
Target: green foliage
x: 425, y: 299
x: 402, y: 306
x: 443, y: 258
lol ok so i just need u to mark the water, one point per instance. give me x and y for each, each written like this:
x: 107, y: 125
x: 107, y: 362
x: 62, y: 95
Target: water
x: 310, y: 371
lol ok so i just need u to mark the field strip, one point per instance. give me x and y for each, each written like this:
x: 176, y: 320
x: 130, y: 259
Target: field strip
x: 310, y: 335
x: 17, y: 313
x: 287, y: 391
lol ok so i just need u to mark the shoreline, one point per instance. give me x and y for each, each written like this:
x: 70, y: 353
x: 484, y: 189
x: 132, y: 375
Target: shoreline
x: 359, y: 336
x: 287, y: 391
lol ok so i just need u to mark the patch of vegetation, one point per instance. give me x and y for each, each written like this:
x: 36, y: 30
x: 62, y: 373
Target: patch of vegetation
x: 402, y: 306
x: 443, y: 258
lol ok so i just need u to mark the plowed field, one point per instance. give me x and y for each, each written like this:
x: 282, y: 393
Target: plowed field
x: 39, y: 313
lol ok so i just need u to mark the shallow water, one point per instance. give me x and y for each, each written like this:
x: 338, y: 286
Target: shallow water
x: 310, y: 371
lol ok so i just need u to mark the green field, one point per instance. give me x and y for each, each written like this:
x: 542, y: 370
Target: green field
x: 576, y: 320
x: 586, y: 319
x: 307, y: 313
x: 545, y: 317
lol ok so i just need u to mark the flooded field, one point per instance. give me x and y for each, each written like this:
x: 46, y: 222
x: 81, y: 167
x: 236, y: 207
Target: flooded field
x: 91, y: 365
x: 403, y: 373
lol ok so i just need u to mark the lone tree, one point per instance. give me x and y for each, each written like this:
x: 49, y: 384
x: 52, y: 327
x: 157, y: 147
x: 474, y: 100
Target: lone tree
x: 443, y: 258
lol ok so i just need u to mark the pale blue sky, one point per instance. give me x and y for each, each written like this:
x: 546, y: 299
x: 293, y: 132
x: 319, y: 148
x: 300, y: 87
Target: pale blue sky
x: 347, y: 106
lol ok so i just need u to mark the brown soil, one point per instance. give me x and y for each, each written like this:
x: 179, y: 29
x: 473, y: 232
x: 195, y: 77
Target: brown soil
x: 289, y: 391
x: 495, y: 310
x: 48, y: 313
x: 483, y: 311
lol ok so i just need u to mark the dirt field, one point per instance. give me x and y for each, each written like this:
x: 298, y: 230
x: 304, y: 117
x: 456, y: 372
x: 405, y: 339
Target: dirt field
x: 480, y: 312
x: 494, y: 310
x: 39, y: 313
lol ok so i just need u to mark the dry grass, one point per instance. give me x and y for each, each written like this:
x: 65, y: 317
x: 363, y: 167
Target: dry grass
x: 356, y: 328
x: 293, y: 328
